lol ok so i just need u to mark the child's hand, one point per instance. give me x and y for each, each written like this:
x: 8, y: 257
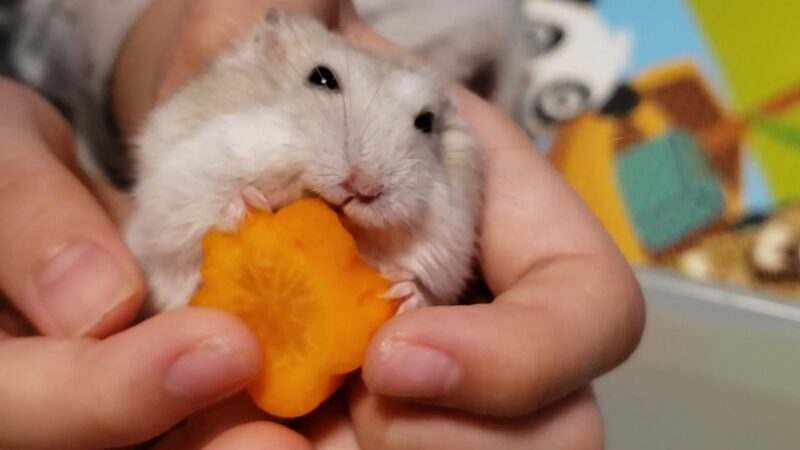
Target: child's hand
x: 64, y: 266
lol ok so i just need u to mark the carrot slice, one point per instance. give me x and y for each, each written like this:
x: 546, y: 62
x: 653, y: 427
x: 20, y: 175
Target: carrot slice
x: 296, y: 279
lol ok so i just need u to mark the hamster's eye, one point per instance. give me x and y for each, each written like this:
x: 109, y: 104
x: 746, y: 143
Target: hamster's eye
x: 424, y: 122
x: 323, y: 77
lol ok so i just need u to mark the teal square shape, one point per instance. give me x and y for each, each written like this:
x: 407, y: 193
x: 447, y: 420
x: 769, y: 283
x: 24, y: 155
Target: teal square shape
x: 669, y: 188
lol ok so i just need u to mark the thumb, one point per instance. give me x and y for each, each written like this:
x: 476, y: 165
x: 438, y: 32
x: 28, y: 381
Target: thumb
x: 82, y: 393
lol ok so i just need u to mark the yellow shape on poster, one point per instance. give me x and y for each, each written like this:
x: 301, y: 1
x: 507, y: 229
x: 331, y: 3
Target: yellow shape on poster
x: 757, y: 46
x: 584, y: 154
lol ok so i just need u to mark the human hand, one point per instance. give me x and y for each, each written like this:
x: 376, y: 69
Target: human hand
x: 64, y: 267
x: 510, y: 374
x: 516, y: 371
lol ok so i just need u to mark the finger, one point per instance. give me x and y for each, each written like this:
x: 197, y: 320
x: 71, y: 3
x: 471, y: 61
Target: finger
x: 259, y: 436
x: 232, y: 424
x: 330, y: 427
x: 63, y: 264
x: 202, y: 428
x: 507, y: 358
x: 126, y: 389
x: 574, y: 275
x: 381, y: 423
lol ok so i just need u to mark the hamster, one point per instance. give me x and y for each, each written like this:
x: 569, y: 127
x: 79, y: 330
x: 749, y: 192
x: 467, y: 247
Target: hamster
x: 292, y: 111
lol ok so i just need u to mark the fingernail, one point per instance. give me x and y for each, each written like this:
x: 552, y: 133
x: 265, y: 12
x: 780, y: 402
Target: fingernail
x: 80, y: 285
x: 413, y: 371
x: 211, y: 369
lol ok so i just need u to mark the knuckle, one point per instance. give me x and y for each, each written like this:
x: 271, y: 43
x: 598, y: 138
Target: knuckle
x: 28, y: 197
x: 36, y: 116
x: 20, y: 206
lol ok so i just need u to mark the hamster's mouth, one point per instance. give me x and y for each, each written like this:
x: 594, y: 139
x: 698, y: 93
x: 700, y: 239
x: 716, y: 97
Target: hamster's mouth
x: 343, y: 209
x: 346, y: 202
x: 353, y: 212
x: 358, y: 211
x: 338, y: 207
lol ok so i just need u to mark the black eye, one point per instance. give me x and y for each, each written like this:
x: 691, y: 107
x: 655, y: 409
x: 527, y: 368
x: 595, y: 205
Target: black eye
x: 323, y: 77
x: 424, y: 122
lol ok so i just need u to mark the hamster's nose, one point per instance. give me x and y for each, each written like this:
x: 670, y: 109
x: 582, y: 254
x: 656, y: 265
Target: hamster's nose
x: 364, y: 187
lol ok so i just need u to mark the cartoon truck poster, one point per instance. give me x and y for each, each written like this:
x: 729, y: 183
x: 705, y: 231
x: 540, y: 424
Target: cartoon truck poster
x: 662, y: 174
x: 701, y: 137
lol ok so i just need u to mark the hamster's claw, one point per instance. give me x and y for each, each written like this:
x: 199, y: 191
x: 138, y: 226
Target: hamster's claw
x: 232, y: 215
x: 406, y: 290
x: 234, y: 212
x: 254, y: 198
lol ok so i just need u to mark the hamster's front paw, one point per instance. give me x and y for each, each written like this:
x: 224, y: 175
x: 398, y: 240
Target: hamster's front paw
x: 234, y: 212
x: 406, y: 289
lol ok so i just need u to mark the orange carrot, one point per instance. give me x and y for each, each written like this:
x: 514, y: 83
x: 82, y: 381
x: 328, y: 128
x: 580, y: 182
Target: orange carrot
x: 296, y: 278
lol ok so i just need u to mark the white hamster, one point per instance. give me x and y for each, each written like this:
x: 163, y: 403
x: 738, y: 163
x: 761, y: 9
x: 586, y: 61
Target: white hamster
x: 293, y: 110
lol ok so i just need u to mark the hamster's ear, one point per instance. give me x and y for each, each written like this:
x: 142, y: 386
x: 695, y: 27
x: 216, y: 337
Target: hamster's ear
x: 272, y: 35
x: 281, y: 31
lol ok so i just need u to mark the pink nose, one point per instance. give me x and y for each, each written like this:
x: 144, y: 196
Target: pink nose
x: 363, y: 186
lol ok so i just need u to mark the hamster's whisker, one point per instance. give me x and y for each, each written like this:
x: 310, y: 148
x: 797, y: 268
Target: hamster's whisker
x: 318, y: 104
x: 348, y: 86
x: 304, y: 49
x: 349, y: 82
x: 366, y: 128
x: 344, y: 105
x: 372, y: 100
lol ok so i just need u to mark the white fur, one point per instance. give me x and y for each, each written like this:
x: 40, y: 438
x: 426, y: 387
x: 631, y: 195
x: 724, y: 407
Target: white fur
x: 251, y: 119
